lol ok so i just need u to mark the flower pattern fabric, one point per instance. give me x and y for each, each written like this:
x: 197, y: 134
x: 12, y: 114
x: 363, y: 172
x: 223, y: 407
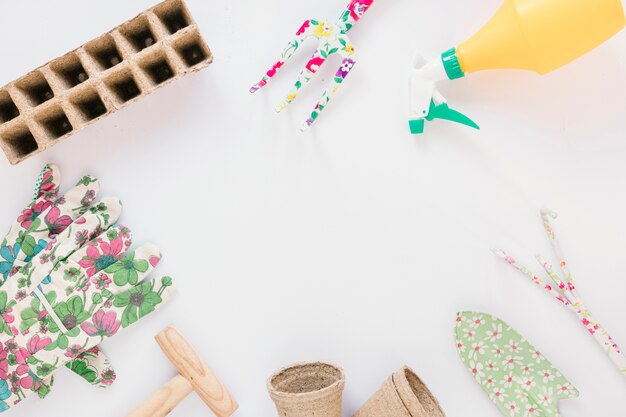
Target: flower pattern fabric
x: 517, y: 378
x: 333, y: 39
x: 90, y: 292
x: 33, y: 231
x: 564, y: 291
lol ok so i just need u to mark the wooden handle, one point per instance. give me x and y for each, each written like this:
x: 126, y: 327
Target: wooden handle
x: 163, y: 401
x: 191, y: 366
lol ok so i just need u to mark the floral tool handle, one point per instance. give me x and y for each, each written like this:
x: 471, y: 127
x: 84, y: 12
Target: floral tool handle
x: 565, y: 292
x: 333, y: 39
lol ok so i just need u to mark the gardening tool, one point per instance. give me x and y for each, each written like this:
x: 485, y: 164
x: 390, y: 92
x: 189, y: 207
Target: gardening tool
x: 567, y: 294
x: 81, y: 289
x: 539, y: 36
x: 193, y: 375
x: 518, y: 379
x: 333, y: 39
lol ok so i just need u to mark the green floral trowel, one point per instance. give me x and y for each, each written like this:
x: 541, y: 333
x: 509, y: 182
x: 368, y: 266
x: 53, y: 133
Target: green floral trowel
x: 514, y: 374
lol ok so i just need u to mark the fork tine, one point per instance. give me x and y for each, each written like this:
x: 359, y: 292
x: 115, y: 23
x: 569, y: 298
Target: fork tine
x: 343, y: 71
x: 305, y: 76
x: 302, y: 34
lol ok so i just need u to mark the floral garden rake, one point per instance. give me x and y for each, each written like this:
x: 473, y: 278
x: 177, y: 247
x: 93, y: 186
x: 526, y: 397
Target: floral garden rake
x: 568, y: 295
x: 333, y: 39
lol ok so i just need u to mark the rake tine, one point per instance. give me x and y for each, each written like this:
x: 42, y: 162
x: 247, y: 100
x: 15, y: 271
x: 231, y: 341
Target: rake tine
x: 343, y: 71
x: 302, y: 34
x: 305, y: 76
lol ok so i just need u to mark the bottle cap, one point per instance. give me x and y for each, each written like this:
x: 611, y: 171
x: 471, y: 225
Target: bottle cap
x: 451, y: 64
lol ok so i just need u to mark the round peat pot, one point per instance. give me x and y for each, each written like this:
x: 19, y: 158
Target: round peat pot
x: 308, y: 389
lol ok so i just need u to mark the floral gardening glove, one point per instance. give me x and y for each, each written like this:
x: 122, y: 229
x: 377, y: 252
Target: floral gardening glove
x: 31, y: 232
x: 84, y: 296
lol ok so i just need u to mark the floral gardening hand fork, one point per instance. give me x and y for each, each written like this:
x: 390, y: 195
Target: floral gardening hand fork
x: 333, y: 39
x: 567, y: 294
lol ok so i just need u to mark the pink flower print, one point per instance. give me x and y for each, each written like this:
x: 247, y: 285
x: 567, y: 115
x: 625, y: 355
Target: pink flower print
x: 522, y: 395
x: 527, y: 382
x: 47, y: 185
x: 108, y: 376
x: 358, y: 8
x: 102, y: 281
x: 460, y: 346
x: 546, y: 396
x: 81, y: 237
x: 476, y: 321
x: 154, y: 260
x: 526, y: 369
x: 510, y: 361
x: 476, y: 368
x: 491, y: 366
x: 495, y: 333
x: 512, y: 407
x: 531, y: 411
x: 300, y: 31
x: 568, y: 391
x: 547, y: 376
x: 80, y: 220
x: 56, y: 222
x: 94, y: 350
x: 101, y: 255
x: 314, y: 64
x: 271, y: 72
x: 88, y: 198
x: 497, y: 352
x: 51, y: 243
x: 35, y: 344
x: 25, y: 381
x: 4, y: 363
x: 73, y: 351
x: 513, y: 346
x: 477, y: 349
x: 28, y: 215
x: 104, y: 324
x: 7, y: 316
x: 507, y: 382
x: 497, y: 395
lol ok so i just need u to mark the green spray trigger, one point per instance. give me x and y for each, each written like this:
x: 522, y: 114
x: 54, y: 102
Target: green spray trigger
x: 444, y: 112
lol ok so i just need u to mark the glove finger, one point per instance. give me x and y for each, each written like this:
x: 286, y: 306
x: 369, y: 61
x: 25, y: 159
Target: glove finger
x: 93, y: 366
x: 131, y: 269
x: 37, y: 356
x: 143, y: 299
x: 55, y: 219
x: 126, y: 308
x: 102, y: 252
x: 46, y: 190
x: 47, y: 184
x: 72, y: 240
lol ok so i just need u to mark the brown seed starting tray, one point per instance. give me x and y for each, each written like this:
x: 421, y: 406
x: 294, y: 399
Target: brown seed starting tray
x: 69, y: 93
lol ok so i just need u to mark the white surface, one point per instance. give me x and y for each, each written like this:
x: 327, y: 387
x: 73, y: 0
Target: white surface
x: 354, y: 243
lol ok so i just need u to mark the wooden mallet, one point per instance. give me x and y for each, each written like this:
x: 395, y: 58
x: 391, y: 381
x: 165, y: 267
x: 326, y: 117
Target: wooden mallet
x: 193, y: 375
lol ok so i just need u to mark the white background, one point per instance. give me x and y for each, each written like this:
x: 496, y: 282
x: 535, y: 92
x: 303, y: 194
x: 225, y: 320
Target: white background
x: 354, y: 243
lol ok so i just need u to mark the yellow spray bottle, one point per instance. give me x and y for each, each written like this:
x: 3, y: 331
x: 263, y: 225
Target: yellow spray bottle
x: 534, y: 35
